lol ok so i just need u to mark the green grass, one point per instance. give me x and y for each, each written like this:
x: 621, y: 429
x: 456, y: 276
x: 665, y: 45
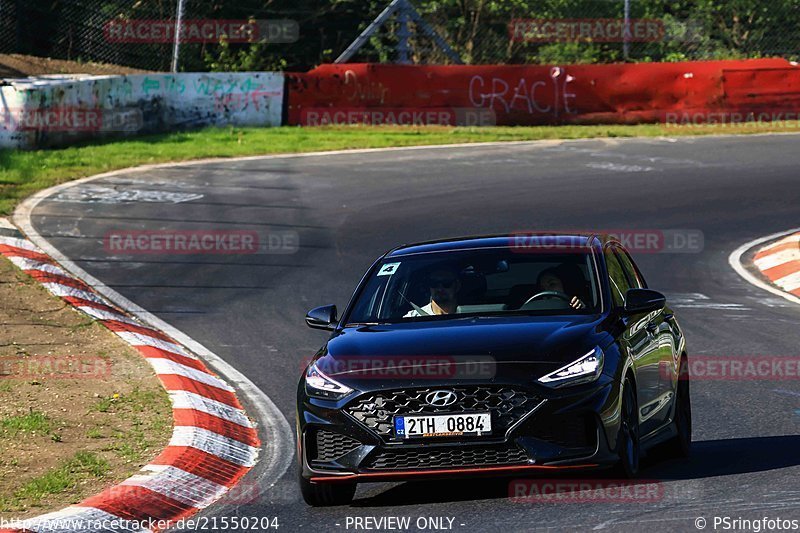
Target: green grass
x: 33, y: 421
x: 82, y: 466
x: 135, y: 443
x: 23, y: 173
x: 104, y: 405
x: 95, y: 433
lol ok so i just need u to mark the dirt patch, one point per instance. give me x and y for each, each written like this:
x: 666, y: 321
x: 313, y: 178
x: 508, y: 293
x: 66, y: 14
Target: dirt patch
x: 22, y: 66
x: 79, y: 408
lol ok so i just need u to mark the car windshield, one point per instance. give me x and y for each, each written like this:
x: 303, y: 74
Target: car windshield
x: 485, y: 282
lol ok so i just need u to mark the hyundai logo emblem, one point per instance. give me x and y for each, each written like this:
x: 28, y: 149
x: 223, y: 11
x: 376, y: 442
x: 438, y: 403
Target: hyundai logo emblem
x: 441, y: 398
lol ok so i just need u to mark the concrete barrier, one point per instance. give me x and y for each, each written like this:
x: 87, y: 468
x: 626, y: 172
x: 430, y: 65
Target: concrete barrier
x: 61, y: 110
x: 679, y: 93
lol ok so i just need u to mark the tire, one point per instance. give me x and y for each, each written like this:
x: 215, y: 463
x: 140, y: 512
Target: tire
x: 628, y: 444
x: 327, y: 494
x: 680, y: 446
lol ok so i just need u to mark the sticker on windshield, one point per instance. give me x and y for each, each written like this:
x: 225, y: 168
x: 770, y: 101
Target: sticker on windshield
x: 388, y: 269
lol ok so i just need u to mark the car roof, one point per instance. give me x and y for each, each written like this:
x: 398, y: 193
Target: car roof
x: 509, y: 240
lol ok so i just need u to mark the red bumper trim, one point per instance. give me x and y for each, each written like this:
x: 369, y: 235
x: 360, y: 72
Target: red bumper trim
x: 438, y: 472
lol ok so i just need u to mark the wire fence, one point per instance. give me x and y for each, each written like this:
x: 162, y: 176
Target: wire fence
x: 299, y: 34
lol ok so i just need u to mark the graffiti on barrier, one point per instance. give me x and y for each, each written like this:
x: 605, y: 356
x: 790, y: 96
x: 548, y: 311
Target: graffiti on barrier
x: 525, y: 95
x: 361, y: 91
x: 234, y: 103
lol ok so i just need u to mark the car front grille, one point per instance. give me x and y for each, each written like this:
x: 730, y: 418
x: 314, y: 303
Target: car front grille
x: 507, y: 405
x: 331, y: 446
x: 450, y: 457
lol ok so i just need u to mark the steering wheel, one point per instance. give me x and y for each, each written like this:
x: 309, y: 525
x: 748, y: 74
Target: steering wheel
x: 547, y: 294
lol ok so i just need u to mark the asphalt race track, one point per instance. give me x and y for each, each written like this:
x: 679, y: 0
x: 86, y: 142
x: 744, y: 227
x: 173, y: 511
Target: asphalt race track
x: 347, y: 209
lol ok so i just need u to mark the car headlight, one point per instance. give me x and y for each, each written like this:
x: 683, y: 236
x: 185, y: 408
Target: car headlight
x: 321, y: 386
x: 584, y: 370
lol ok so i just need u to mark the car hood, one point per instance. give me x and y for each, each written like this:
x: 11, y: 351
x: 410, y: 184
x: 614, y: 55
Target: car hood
x: 474, y: 348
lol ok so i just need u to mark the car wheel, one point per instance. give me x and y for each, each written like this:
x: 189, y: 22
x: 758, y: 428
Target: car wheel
x: 681, y: 445
x: 327, y: 494
x: 628, y: 441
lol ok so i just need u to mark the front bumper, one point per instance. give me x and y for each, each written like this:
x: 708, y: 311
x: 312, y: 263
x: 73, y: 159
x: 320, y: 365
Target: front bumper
x: 558, y: 430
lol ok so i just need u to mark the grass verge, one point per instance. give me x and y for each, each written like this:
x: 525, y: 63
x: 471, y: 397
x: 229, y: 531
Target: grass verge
x: 79, y: 408
x: 23, y: 173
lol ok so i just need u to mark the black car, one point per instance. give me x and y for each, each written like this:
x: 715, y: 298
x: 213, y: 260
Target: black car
x: 492, y: 355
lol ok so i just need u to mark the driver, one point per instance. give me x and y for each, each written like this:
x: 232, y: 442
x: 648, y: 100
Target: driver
x: 551, y: 280
x: 444, y: 285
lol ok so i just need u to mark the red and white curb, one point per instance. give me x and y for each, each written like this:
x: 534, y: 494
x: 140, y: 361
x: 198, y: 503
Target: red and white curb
x: 213, y: 444
x: 774, y: 265
x: 780, y: 263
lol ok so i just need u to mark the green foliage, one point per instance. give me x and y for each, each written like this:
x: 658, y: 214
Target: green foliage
x: 568, y: 53
x: 80, y: 468
x: 477, y: 29
x: 243, y: 58
x: 32, y: 422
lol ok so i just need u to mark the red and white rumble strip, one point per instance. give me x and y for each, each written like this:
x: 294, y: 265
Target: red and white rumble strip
x: 213, y: 443
x: 780, y: 263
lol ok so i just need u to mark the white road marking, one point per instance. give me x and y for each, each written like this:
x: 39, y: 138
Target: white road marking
x: 18, y: 243
x: 66, y: 291
x: 5, y: 224
x: 189, y: 400
x: 24, y: 263
x: 215, y: 444
x: 795, y: 238
x: 735, y: 261
x: 696, y: 300
x: 787, y: 392
x: 614, y: 167
x: 137, y: 339
x: 165, y: 366
x: 101, y: 314
x: 178, y: 484
x: 97, y: 194
x: 278, y: 443
x: 790, y: 282
x: 776, y: 259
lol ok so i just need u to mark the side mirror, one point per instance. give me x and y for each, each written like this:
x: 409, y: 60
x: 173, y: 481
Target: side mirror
x: 322, y: 317
x: 643, y: 301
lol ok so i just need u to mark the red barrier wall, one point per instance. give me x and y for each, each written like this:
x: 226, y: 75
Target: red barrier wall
x: 527, y: 95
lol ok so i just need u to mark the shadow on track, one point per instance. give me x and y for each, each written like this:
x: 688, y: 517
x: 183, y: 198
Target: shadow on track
x: 710, y: 458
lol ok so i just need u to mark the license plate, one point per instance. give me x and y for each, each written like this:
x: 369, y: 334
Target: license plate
x: 461, y: 425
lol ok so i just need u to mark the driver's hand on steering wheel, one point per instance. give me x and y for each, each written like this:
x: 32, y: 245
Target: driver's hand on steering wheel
x: 576, y: 303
